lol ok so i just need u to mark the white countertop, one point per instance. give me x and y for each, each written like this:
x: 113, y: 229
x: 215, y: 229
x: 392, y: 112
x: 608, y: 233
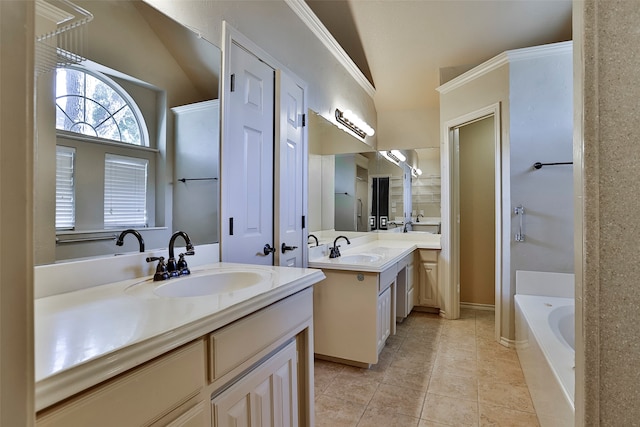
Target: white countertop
x: 389, y: 251
x: 87, y: 336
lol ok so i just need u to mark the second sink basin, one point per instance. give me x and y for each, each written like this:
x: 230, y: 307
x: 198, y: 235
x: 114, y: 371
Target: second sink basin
x: 360, y: 258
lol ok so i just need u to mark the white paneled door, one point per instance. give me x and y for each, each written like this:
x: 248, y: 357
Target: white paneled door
x: 247, y: 167
x: 290, y: 179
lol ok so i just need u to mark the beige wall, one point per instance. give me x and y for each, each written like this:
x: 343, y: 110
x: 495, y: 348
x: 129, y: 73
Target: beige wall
x: 408, y: 129
x: 608, y: 352
x: 477, y: 212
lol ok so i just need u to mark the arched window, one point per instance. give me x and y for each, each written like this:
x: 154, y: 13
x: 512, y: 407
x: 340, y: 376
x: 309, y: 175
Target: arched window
x: 89, y: 103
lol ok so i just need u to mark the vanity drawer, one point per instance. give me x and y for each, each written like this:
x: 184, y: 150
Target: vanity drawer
x: 138, y: 397
x: 405, y: 261
x: 429, y: 255
x: 387, y: 277
x: 235, y: 344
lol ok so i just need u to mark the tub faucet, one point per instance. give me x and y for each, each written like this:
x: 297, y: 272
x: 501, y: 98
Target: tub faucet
x: 335, y: 250
x: 315, y: 238
x: 178, y: 268
x: 138, y: 236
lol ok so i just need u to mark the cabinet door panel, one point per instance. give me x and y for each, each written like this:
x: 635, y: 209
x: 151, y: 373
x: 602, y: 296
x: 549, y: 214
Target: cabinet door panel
x: 261, y: 402
x: 384, y: 318
x: 410, y: 300
x: 266, y: 396
x: 428, y: 274
x: 194, y: 417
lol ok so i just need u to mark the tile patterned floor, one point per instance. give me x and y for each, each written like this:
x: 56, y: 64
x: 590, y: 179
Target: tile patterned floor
x: 433, y: 372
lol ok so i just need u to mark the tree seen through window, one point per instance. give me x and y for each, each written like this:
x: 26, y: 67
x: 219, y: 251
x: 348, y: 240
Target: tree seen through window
x: 90, y: 104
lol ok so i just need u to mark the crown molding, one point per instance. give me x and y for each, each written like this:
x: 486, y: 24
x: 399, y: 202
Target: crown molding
x: 310, y: 19
x: 505, y: 58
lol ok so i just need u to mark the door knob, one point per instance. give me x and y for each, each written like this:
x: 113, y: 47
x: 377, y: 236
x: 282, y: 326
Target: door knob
x: 268, y: 249
x: 288, y: 248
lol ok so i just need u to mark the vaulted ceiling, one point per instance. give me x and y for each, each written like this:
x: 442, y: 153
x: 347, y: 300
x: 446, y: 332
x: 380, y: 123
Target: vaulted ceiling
x: 408, y: 48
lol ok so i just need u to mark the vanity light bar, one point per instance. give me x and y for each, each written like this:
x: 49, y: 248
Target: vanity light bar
x: 390, y: 157
x: 396, y: 154
x: 354, y: 123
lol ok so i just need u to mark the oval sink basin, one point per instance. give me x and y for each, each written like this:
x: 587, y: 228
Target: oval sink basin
x: 360, y: 258
x: 209, y: 284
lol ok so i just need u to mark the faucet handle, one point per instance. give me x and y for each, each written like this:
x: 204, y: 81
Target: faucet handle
x: 161, y: 269
x: 334, y: 251
x: 182, y: 267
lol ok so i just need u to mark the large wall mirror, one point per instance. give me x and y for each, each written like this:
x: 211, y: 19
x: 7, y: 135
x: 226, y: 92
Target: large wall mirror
x: 354, y: 189
x: 97, y: 172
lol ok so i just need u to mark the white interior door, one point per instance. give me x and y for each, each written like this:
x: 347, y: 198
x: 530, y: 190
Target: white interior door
x: 247, y: 160
x: 291, y: 157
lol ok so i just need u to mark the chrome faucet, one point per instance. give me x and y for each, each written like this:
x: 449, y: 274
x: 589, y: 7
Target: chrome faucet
x: 335, y: 250
x: 179, y: 268
x: 316, y: 239
x: 138, y: 236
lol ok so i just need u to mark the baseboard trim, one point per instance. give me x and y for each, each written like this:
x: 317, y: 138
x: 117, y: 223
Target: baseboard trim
x: 507, y: 342
x: 474, y: 306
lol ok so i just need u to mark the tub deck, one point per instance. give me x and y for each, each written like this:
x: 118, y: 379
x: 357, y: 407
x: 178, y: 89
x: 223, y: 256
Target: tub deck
x: 546, y: 355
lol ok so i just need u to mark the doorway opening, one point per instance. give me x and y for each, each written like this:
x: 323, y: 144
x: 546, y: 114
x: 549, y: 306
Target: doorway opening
x: 476, y: 154
x: 464, y: 214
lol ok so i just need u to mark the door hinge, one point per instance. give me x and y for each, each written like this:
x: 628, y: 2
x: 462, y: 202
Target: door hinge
x: 304, y: 120
x: 304, y: 220
x: 231, y: 226
x: 233, y: 82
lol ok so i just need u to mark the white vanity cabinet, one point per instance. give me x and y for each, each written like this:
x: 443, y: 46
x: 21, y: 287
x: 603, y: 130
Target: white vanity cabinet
x: 155, y: 393
x: 354, y: 314
x: 405, y: 290
x: 428, y: 293
x: 254, y: 371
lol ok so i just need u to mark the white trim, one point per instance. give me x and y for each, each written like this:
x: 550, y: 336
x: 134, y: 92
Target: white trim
x: 505, y: 58
x: 309, y: 18
x: 545, y: 50
x: 197, y: 106
x: 475, y: 306
x: 482, y: 69
x: 507, y: 342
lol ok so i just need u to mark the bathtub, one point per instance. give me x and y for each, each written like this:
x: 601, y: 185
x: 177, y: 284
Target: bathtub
x: 545, y: 341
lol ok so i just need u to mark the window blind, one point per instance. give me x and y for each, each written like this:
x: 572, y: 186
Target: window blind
x: 125, y: 191
x: 65, y: 188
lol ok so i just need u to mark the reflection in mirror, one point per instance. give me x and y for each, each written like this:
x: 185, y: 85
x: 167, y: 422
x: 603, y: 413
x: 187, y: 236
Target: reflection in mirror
x: 168, y: 76
x: 425, y: 191
x: 355, y: 189
x: 338, y: 178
